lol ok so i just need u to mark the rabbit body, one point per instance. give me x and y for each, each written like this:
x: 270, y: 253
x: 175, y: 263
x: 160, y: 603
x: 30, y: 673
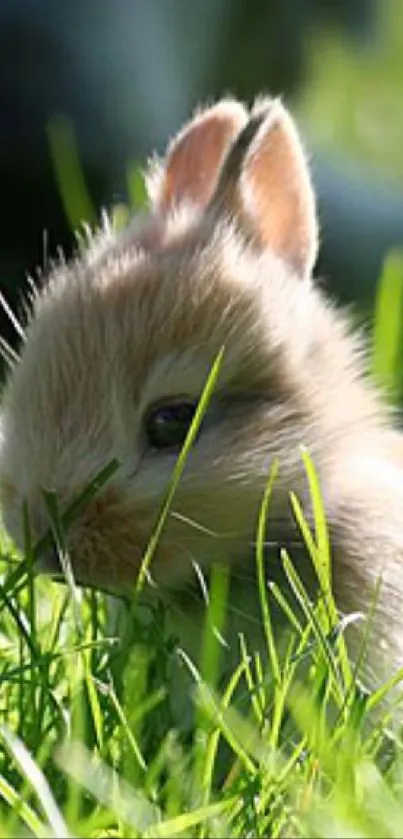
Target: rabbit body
x: 224, y: 259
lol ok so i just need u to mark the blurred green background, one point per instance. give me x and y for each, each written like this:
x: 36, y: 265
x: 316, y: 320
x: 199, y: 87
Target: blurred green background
x: 127, y: 73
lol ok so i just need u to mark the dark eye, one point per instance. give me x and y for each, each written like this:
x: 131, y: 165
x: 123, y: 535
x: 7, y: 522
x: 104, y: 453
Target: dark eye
x: 167, y: 425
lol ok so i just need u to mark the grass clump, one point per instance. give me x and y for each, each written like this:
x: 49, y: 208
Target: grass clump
x: 91, y: 745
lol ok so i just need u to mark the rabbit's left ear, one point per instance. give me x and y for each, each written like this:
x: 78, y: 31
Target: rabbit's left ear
x: 192, y: 165
x: 265, y: 184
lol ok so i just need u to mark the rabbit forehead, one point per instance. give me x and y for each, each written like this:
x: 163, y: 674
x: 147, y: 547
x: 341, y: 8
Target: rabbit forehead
x: 98, y: 331
x: 138, y: 310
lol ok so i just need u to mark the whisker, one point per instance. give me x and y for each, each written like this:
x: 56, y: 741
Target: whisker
x: 60, y: 257
x: 33, y: 288
x: 9, y: 355
x: 45, y: 245
x: 232, y: 534
x: 206, y: 594
x: 12, y: 317
x: 195, y: 525
x: 193, y: 593
x: 202, y: 582
x: 277, y: 543
x: 196, y: 590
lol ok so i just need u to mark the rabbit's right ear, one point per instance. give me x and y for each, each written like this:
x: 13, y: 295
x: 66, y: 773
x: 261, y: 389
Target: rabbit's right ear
x: 265, y: 185
x: 191, y: 168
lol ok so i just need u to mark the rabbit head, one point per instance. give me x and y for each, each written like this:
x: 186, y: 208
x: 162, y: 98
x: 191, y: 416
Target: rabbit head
x: 121, y: 341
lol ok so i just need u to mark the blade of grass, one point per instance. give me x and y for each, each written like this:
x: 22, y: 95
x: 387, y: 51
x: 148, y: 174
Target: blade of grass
x: 69, y: 173
x: 172, y: 827
x: 179, y: 468
x: 303, y: 599
x: 125, y: 801
x: 320, y: 553
x: 134, y: 746
x: 136, y: 187
x: 38, y: 782
x: 59, y: 536
x: 257, y: 700
x: 79, y: 504
x: 261, y: 576
x: 21, y: 808
x: 285, y: 607
x: 388, y: 324
x: 214, y: 623
x: 213, y: 742
x: 211, y: 652
x: 207, y: 700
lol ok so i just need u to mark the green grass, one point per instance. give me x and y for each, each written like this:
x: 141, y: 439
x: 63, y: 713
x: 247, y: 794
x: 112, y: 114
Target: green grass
x: 91, y: 745
x: 351, y: 98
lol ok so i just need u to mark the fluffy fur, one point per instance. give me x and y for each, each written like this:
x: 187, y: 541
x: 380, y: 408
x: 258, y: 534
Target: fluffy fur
x: 224, y: 257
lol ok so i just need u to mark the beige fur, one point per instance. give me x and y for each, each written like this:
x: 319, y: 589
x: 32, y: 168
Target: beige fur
x: 224, y: 258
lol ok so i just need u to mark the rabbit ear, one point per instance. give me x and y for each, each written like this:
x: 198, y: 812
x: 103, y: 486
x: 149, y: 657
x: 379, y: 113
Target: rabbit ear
x: 194, y: 157
x: 265, y: 183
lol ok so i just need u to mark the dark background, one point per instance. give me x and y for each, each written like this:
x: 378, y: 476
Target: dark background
x: 127, y: 73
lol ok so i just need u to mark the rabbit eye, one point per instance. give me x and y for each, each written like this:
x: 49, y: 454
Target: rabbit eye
x: 167, y: 425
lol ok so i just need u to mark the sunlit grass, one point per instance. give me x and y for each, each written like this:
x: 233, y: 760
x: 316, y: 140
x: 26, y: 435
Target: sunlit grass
x: 352, y: 96
x: 92, y: 748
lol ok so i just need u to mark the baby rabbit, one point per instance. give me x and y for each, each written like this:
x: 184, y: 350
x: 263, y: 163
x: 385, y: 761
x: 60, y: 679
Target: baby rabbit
x: 120, y: 344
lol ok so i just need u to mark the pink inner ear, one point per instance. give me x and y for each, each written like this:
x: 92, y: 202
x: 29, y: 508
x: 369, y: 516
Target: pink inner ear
x: 195, y: 157
x: 277, y: 195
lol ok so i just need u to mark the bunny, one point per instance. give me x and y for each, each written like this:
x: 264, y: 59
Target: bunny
x: 120, y: 343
